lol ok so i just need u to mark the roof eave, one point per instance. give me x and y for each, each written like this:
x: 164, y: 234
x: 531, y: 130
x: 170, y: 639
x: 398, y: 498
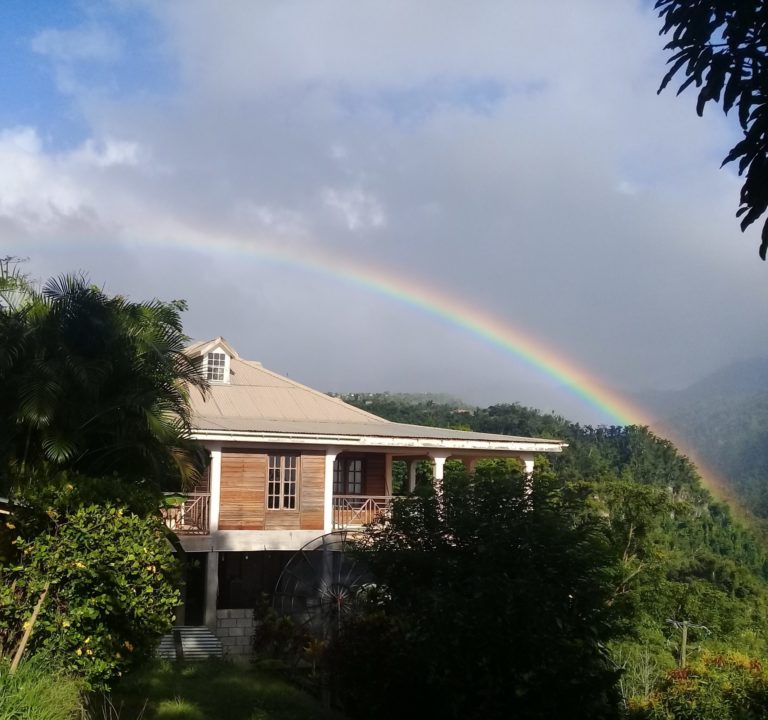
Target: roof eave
x: 383, y: 441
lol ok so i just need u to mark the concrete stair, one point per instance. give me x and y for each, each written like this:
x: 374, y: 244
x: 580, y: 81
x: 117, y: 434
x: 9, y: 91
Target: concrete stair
x: 188, y: 642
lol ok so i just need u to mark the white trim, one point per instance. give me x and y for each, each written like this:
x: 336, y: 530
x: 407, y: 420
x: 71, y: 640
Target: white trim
x: 215, y: 488
x: 331, y: 454
x: 218, y: 350
x: 376, y: 441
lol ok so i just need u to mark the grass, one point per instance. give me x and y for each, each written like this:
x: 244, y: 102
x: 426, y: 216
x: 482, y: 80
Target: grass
x: 212, y: 690
x: 35, y: 693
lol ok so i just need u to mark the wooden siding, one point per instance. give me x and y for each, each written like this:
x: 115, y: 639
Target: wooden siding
x: 312, y: 499
x: 375, y: 474
x: 243, y: 489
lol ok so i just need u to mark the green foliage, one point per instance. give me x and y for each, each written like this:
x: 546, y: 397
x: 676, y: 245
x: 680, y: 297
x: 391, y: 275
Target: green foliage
x: 492, y: 601
x: 721, y: 47
x: 715, y: 687
x: 35, y: 693
x: 276, y: 637
x: 112, y: 583
x: 678, y: 554
x: 95, y: 383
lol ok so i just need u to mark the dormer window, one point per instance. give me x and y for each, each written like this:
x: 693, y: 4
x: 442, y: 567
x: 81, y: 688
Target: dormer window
x: 217, y: 367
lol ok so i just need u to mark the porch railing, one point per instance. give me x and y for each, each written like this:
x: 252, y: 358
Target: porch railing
x: 191, y: 516
x: 354, y: 511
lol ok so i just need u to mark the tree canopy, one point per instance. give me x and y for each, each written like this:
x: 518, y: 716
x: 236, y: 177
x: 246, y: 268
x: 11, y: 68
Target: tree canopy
x: 94, y: 383
x: 722, y: 47
x: 492, y: 600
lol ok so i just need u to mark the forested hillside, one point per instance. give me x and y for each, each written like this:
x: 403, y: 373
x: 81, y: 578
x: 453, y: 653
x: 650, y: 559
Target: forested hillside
x: 683, y: 557
x: 724, y: 418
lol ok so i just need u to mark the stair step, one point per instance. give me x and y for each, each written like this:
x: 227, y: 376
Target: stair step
x: 197, y: 643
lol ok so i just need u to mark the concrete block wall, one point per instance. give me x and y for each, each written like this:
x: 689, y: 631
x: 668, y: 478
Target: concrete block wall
x: 235, y: 630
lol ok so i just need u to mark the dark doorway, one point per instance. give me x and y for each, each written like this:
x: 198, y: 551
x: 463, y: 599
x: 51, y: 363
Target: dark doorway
x: 195, y: 565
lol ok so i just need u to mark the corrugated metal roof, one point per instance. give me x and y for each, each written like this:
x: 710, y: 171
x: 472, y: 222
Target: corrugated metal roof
x: 255, y: 393
x: 257, y: 400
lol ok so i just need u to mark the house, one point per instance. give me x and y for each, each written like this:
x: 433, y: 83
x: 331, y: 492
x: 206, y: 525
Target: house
x: 289, y: 464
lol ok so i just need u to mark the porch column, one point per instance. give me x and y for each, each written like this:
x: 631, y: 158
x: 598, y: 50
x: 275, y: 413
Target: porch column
x: 438, y: 468
x: 527, y: 459
x: 211, y: 589
x: 388, y: 475
x: 215, y: 489
x: 412, y: 464
x: 330, y: 457
x: 471, y: 465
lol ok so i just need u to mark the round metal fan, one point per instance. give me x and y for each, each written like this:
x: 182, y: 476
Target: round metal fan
x: 321, y: 584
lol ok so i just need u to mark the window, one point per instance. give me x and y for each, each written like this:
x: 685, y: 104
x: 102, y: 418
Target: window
x: 348, y: 476
x: 216, y: 366
x: 281, y: 485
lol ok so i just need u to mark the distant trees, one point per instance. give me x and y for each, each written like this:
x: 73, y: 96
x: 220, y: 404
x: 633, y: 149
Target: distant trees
x: 722, y: 47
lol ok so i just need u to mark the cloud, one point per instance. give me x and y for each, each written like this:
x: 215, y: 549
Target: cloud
x: 523, y: 166
x: 78, y: 45
x: 358, y: 210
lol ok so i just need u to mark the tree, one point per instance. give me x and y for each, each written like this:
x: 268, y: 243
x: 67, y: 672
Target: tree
x: 491, y: 600
x: 96, y: 384
x: 722, y: 47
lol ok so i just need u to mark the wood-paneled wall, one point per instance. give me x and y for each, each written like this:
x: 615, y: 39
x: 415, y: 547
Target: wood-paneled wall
x: 243, y: 490
x: 244, y: 487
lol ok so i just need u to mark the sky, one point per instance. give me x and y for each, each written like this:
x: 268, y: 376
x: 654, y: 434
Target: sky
x: 268, y: 161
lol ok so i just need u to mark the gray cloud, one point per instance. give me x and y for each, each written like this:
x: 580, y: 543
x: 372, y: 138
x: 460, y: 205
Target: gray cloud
x: 515, y: 158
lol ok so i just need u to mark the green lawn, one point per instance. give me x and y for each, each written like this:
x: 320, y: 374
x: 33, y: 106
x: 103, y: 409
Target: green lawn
x: 213, y: 690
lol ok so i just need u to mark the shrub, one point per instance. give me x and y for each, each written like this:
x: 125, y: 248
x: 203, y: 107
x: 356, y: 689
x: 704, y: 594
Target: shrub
x: 716, y: 686
x: 112, y: 591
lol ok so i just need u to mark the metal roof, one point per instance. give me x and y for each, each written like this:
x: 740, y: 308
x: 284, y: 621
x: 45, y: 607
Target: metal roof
x: 259, y: 402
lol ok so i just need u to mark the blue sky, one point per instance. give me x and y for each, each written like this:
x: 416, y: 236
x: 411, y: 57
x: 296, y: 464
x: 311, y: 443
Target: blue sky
x: 49, y: 69
x: 513, y: 155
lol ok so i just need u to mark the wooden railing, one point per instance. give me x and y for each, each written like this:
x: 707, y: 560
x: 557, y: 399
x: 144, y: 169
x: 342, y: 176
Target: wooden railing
x: 354, y: 511
x: 189, y: 517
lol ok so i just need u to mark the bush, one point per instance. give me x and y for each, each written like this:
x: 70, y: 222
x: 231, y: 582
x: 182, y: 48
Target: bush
x: 715, y: 687
x: 34, y: 693
x: 492, y: 601
x: 112, y: 591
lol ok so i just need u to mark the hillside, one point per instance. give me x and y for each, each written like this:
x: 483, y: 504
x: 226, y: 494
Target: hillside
x: 682, y: 554
x: 724, y: 419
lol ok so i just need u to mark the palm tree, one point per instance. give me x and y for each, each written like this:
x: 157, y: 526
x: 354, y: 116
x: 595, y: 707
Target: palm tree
x: 96, y: 383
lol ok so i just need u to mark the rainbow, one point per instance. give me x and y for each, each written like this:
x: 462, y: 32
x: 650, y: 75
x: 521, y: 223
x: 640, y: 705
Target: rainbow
x: 476, y: 322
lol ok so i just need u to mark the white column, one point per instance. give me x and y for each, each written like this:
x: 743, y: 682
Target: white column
x: 388, y: 475
x: 330, y: 458
x: 212, y: 566
x: 215, y: 489
x: 211, y: 589
x: 412, y: 464
x: 438, y: 468
x: 527, y: 459
x: 438, y: 460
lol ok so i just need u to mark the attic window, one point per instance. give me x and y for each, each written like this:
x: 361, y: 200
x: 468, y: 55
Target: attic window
x: 216, y: 367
